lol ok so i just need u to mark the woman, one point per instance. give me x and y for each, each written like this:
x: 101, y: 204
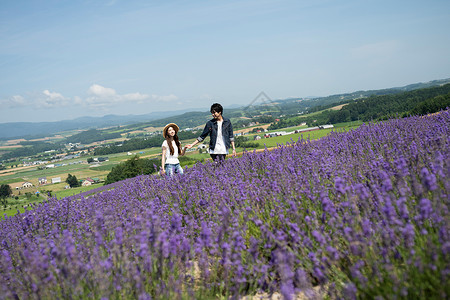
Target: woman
x: 171, y: 149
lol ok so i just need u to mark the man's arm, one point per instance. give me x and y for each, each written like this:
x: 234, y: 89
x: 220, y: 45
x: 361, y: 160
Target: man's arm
x: 204, y: 134
x: 231, y: 135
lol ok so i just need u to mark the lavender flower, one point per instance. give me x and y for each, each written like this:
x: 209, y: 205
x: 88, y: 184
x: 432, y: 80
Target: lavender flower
x: 351, y: 207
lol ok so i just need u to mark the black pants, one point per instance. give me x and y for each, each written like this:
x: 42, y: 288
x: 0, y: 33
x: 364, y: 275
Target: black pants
x: 219, y: 157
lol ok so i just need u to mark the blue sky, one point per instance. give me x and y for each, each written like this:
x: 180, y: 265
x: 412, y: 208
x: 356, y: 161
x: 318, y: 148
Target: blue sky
x: 61, y: 59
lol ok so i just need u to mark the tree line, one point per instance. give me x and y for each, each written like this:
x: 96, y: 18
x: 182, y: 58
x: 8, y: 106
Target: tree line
x: 91, y: 136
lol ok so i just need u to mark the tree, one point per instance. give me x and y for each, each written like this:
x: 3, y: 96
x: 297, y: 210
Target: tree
x: 72, y: 181
x: 89, y: 160
x: 132, y: 167
x: 5, y: 191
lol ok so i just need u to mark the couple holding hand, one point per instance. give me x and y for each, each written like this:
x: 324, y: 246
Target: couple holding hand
x: 221, y: 136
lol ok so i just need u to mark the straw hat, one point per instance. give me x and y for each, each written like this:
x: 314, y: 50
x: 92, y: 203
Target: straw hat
x: 173, y: 125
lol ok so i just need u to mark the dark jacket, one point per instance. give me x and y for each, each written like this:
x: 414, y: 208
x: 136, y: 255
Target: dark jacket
x: 211, y: 129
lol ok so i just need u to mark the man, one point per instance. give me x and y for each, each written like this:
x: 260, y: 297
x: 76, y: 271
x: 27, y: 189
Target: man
x: 220, y: 133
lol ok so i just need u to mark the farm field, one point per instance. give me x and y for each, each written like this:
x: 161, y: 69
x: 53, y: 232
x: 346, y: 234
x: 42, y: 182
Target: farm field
x: 361, y: 214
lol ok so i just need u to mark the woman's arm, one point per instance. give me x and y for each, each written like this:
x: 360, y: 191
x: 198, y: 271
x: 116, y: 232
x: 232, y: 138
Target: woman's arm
x: 183, y: 150
x: 163, y: 160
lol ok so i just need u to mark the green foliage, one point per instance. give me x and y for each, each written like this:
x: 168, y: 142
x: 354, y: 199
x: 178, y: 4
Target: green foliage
x: 131, y: 168
x: 243, y: 142
x: 47, y: 192
x: 390, y: 106
x: 72, y: 181
x: 5, y: 191
x: 432, y: 105
x: 255, y: 130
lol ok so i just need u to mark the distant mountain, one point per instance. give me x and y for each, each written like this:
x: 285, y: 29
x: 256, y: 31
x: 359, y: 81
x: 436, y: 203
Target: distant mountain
x: 41, y: 129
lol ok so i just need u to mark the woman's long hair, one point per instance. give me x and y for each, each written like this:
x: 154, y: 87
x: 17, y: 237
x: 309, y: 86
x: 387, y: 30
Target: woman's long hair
x: 177, y: 142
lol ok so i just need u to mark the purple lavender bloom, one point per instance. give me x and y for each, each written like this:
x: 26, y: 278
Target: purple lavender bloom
x: 428, y: 179
x: 205, y: 236
x: 333, y: 253
x: 403, y: 208
x: 287, y: 291
x: 319, y: 274
x: 409, y: 235
x: 340, y: 185
x: 425, y: 208
x: 319, y: 238
x: 118, y: 237
x: 350, y: 291
x: 348, y: 232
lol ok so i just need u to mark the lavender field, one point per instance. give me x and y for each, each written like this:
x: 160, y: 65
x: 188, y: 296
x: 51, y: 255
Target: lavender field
x: 361, y: 214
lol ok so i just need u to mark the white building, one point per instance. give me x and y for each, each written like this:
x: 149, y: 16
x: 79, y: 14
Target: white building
x: 326, y: 126
x: 42, y: 180
x: 27, y: 184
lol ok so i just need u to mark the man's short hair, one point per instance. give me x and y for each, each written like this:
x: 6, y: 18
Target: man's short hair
x: 216, y: 107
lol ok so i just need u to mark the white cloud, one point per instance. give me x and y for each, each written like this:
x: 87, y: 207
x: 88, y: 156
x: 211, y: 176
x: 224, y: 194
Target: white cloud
x: 46, y: 99
x: 14, y: 101
x: 53, y: 95
x: 135, y: 97
x: 98, y: 97
x: 100, y: 91
x: 51, y: 100
x: 102, y: 96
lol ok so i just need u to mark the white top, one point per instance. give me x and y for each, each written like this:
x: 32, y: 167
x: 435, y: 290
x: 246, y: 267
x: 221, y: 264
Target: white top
x: 220, y: 143
x: 171, y: 159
